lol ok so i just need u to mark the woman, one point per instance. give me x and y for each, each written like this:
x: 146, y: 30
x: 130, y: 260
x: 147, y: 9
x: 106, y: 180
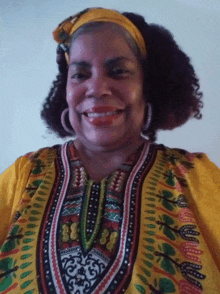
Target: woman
x: 112, y: 212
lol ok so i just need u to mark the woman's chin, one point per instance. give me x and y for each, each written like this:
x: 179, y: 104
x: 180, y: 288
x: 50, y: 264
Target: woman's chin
x: 103, y: 140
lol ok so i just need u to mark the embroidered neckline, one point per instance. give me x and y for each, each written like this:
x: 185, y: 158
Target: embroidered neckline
x: 92, y: 210
x: 90, y: 198
x: 131, y: 160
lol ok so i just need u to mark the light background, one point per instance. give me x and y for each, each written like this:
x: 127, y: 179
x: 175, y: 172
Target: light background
x: 27, y: 67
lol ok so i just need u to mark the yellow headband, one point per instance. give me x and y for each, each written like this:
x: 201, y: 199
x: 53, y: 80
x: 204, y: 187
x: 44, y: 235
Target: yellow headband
x: 71, y: 24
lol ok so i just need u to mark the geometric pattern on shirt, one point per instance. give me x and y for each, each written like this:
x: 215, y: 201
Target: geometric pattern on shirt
x: 102, y: 241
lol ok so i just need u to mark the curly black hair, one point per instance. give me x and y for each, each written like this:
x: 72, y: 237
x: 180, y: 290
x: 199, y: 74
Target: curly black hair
x: 170, y: 85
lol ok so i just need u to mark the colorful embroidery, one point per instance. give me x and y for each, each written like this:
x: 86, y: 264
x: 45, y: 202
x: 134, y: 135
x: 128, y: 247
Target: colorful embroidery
x: 134, y: 232
x: 90, y: 225
x: 19, y: 248
x: 170, y: 260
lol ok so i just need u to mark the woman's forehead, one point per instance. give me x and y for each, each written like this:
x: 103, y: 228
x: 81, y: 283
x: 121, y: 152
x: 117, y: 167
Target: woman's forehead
x: 104, y: 43
x: 103, y: 36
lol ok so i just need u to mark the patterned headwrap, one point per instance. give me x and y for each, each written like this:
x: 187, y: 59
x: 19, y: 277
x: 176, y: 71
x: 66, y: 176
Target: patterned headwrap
x: 66, y: 28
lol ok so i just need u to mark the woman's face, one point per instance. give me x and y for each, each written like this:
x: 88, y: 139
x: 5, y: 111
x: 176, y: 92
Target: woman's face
x: 104, y: 90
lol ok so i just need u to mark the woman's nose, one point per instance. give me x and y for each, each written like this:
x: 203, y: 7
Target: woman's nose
x: 98, y: 86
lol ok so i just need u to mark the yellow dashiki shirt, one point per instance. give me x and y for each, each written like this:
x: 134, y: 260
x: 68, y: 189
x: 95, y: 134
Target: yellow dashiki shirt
x: 152, y: 226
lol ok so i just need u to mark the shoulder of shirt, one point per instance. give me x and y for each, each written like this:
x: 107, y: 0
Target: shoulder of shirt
x: 42, y: 153
x: 181, y: 154
x: 194, y: 164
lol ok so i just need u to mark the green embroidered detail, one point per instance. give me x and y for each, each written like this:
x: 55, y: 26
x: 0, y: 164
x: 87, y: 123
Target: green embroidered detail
x: 24, y: 275
x: 168, y: 231
x: 143, y: 279
x: 153, y: 183
x: 25, y: 284
x: 29, y: 233
x: 39, y: 199
x: 169, y: 178
x: 38, y: 168
x: 140, y: 288
x: 26, y: 264
x: 151, y: 199
x: 25, y: 248
x: 147, y: 273
x: 33, y: 219
x: 149, y: 240
x: 46, y: 182
x: 87, y: 243
x: 7, y: 272
x: 166, y: 286
x: 165, y: 196
x: 151, y: 205
x: 149, y: 256
x: 151, y: 211
x: 35, y: 212
x: 42, y: 193
x: 152, y: 219
x: 166, y: 263
x: 152, y: 188
x: 31, y: 226
x: 13, y: 239
x: 44, y: 187
x: 152, y: 233
x: 168, y: 249
x: 29, y: 292
x: 148, y: 263
x: 24, y: 256
x: 28, y: 240
x: 150, y: 248
x: 37, y: 205
x: 32, y: 187
x: 157, y: 174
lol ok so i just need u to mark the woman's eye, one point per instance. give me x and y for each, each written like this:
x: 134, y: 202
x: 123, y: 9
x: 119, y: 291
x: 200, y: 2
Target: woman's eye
x: 120, y: 72
x: 78, y: 76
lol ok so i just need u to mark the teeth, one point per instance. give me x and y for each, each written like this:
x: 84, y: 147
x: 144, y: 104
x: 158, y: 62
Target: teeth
x: 101, y: 114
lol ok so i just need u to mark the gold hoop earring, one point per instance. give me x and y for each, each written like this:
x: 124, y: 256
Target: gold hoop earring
x: 63, y: 114
x: 149, y: 118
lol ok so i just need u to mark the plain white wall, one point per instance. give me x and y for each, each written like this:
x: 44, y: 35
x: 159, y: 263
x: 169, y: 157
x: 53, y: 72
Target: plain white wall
x: 27, y: 67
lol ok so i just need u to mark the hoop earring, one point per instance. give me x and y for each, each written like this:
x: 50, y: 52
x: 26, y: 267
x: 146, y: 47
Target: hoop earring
x: 63, y: 122
x: 149, y: 118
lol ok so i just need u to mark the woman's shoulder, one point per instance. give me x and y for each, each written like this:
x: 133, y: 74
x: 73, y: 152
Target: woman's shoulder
x: 42, y: 154
x: 194, y: 164
x: 178, y: 154
x: 28, y: 160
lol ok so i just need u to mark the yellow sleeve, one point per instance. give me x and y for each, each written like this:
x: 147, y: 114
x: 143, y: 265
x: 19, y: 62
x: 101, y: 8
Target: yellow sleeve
x: 204, y: 184
x: 12, y: 184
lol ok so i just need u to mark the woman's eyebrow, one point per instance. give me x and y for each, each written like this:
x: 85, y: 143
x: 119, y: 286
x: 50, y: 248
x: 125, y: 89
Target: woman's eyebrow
x: 82, y: 63
x: 109, y: 63
x: 116, y: 60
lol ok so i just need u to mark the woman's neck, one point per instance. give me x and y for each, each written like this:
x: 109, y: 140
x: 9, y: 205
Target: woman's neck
x: 100, y: 164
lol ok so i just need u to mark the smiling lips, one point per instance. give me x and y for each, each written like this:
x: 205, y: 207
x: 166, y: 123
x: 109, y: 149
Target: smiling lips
x: 102, y: 115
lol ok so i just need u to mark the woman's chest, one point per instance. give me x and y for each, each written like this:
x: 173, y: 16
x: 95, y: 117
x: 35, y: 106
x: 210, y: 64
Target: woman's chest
x: 132, y: 233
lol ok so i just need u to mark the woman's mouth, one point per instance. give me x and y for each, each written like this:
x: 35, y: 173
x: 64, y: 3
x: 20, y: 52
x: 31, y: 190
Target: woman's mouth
x: 103, y: 116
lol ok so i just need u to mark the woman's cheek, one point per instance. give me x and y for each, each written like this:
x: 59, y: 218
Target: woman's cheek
x: 68, y: 96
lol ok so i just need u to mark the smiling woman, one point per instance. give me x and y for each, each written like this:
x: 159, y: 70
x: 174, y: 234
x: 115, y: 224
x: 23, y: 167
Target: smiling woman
x: 105, y: 99
x: 109, y: 80
x: 111, y: 211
